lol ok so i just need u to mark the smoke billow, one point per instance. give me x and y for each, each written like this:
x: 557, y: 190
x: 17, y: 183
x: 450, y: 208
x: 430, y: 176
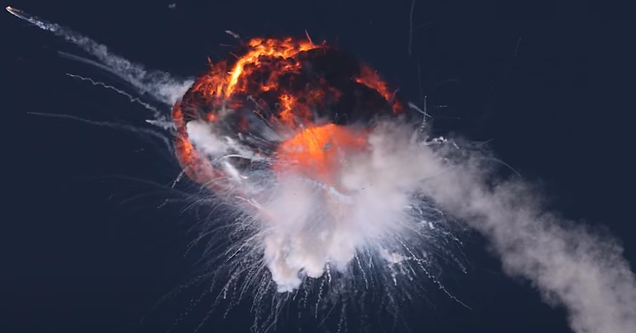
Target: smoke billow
x: 306, y: 232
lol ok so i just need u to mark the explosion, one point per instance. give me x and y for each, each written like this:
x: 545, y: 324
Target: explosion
x: 288, y: 115
x: 332, y: 188
x: 285, y: 101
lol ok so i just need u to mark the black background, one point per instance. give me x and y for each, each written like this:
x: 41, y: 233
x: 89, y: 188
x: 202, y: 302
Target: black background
x: 85, y: 250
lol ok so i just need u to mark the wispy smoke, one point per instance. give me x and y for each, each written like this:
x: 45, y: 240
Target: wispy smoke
x: 160, y: 85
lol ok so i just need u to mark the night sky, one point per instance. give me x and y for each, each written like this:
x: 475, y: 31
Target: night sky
x: 85, y: 249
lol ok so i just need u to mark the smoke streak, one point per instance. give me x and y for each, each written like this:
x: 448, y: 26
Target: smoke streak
x: 160, y: 85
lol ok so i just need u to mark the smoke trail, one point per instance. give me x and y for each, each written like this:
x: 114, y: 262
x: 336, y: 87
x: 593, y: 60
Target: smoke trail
x: 571, y: 265
x: 568, y: 263
x: 160, y: 85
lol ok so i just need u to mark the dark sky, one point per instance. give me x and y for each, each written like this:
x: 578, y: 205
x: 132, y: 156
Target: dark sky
x: 85, y: 248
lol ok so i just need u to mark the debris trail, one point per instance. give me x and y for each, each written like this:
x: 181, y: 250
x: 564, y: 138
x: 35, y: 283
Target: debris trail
x: 130, y: 128
x: 117, y: 90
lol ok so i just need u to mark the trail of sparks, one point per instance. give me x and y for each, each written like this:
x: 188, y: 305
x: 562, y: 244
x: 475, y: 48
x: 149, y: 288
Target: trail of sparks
x: 161, y: 137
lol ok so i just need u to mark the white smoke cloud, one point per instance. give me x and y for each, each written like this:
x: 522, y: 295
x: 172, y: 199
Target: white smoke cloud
x: 308, y: 227
x: 202, y: 136
x: 311, y: 226
x: 305, y: 232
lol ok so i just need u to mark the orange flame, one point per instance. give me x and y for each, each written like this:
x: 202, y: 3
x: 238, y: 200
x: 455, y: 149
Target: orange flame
x: 275, y: 54
x: 274, y: 48
x: 370, y: 78
x: 317, y: 150
x: 198, y: 169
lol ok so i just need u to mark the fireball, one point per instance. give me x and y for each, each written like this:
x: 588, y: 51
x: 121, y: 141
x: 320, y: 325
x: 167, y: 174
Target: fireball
x: 279, y: 106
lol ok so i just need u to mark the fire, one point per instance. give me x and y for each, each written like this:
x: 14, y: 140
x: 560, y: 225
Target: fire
x: 315, y: 151
x: 370, y: 78
x: 291, y: 86
x: 198, y: 169
x: 264, y: 55
x: 266, y: 48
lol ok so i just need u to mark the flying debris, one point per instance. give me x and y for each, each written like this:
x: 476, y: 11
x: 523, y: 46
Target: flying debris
x: 16, y: 12
x: 233, y: 34
x: 33, y: 20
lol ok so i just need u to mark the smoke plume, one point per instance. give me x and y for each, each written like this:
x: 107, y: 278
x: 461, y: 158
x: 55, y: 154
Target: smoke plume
x: 569, y: 264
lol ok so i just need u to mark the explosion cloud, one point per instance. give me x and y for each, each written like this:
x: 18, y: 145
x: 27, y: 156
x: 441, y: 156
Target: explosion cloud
x: 279, y: 130
x: 330, y: 175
